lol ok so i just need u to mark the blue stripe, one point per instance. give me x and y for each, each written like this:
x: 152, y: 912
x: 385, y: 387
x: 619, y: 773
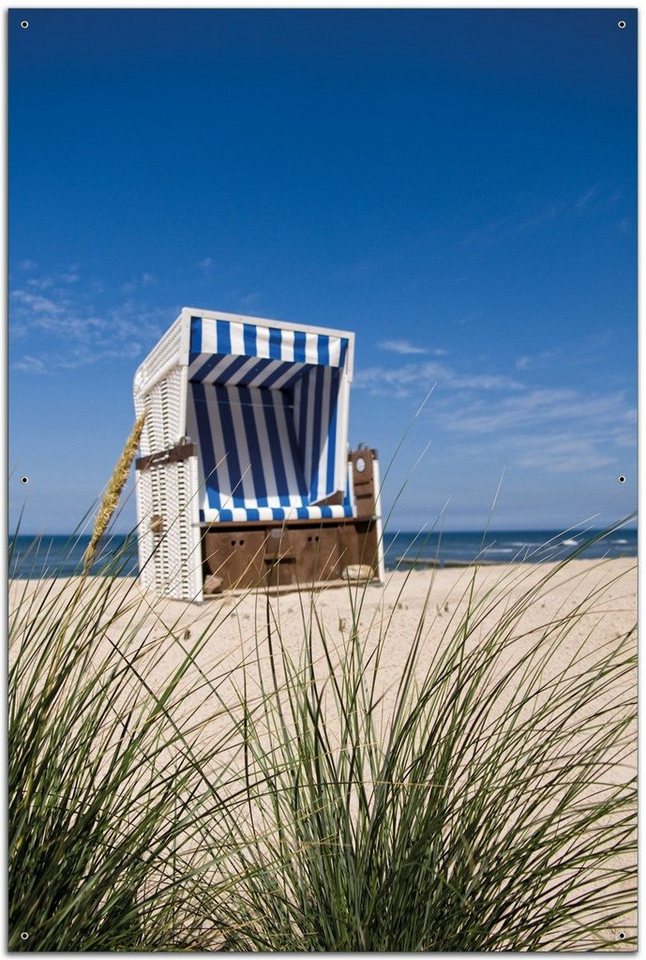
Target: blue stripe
x: 275, y: 343
x: 253, y: 446
x: 331, y: 432
x: 253, y: 514
x: 206, y: 445
x: 323, y: 350
x: 250, y: 340
x: 206, y: 367
x: 235, y: 362
x: 223, y: 336
x: 295, y: 453
x: 277, y: 454
x: 319, y: 373
x: 344, y: 350
x: 299, y: 346
x: 279, y: 372
x: 196, y: 335
x: 230, y: 445
x: 234, y: 366
x: 252, y: 374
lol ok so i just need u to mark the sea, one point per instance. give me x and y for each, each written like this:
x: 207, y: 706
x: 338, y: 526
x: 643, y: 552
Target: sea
x: 62, y: 556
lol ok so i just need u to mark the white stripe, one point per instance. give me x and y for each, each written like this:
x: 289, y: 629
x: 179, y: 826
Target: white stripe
x: 311, y: 348
x: 295, y: 498
x: 266, y: 460
x: 310, y: 454
x: 334, y: 352
x: 237, y: 339
x: 341, y: 452
x: 262, y: 342
x: 209, y: 336
x: 287, y: 345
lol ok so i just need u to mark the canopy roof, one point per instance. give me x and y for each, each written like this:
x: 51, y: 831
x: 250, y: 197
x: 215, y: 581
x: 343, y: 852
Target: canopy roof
x: 257, y: 355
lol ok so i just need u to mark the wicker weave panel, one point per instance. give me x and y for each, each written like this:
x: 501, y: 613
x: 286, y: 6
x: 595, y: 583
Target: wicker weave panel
x: 170, y: 561
x: 163, y: 426
x: 166, y: 350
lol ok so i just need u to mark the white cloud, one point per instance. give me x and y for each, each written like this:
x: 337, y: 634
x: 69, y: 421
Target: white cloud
x: 542, y: 406
x: 415, y: 378
x: 37, y: 304
x: 400, y: 346
x: 533, y: 361
x: 29, y: 364
x: 558, y: 430
x: 71, y: 332
x: 249, y: 299
x: 145, y: 280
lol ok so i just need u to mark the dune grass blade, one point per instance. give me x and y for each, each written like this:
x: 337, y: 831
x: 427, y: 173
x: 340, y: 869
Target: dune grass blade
x: 493, y: 809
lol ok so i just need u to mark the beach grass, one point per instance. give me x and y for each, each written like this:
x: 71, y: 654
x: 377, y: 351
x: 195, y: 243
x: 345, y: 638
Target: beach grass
x: 484, y: 801
x: 108, y: 782
x: 491, y: 808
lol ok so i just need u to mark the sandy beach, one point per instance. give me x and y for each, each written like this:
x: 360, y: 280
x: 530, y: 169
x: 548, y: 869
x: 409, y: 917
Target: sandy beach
x: 234, y: 622
x: 230, y: 626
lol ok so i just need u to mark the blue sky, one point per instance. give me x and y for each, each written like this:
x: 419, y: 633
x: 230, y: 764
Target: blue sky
x: 456, y: 186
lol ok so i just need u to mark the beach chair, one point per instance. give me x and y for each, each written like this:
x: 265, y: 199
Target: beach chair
x: 245, y: 477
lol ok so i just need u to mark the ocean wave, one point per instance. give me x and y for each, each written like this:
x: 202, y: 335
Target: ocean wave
x: 570, y: 543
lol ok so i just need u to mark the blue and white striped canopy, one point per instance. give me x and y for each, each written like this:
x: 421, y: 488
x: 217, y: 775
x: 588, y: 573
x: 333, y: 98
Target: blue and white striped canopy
x: 263, y: 406
x: 227, y: 351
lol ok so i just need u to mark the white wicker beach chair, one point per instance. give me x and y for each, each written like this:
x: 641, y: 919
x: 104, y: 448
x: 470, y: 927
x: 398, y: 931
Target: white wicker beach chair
x: 244, y: 476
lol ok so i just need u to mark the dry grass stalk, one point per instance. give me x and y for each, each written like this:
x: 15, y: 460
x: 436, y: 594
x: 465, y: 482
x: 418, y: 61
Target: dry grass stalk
x: 113, y: 491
